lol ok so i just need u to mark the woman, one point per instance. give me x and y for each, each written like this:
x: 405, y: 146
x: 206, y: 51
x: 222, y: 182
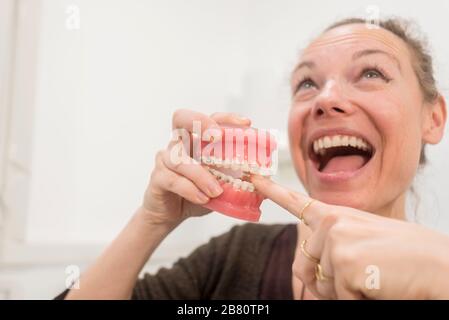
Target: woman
x: 354, y: 81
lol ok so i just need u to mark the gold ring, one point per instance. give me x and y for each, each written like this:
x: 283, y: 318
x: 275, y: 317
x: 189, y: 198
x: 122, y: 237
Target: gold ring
x: 319, y: 274
x: 306, y: 254
x: 301, y: 213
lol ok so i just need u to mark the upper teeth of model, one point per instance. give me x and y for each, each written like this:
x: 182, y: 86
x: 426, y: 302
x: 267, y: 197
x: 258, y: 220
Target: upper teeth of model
x: 236, y: 165
x: 236, y: 183
x: 320, y: 145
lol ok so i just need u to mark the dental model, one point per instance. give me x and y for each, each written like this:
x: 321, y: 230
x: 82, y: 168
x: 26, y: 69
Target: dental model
x: 239, y: 153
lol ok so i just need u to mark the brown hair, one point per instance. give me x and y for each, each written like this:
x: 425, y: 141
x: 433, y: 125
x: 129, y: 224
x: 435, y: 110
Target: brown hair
x: 422, y: 60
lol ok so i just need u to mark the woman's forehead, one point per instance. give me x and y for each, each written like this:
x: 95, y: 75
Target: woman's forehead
x: 353, y: 37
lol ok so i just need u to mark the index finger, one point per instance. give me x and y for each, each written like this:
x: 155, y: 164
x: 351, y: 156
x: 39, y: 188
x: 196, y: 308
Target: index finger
x: 292, y: 201
x: 224, y: 118
x: 185, y: 119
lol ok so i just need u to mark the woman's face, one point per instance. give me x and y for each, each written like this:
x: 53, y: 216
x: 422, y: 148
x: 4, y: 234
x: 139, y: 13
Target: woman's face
x: 356, y: 82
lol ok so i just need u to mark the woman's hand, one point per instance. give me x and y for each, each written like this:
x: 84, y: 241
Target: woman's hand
x: 176, y: 191
x: 363, y: 255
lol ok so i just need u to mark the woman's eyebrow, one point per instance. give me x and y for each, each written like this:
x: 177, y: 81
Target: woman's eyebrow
x: 305, y: 64
x: 357, y: 55
x: 366, y: 52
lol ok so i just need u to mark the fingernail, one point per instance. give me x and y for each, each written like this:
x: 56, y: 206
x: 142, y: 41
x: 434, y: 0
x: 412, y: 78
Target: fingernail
x: 257, y: 178
x: 202, y: 197
x: 242, y: 118
x: 215, y: 189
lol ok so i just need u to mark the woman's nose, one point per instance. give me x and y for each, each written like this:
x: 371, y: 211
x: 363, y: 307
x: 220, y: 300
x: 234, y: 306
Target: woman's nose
x: 332, y: 102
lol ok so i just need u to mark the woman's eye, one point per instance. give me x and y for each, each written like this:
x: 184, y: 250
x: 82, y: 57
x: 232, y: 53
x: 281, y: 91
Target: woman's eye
x: 305, y: 84
x: 374, y: 74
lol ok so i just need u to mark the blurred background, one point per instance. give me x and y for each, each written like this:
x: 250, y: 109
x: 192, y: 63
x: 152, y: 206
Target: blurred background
x: 87, y: 90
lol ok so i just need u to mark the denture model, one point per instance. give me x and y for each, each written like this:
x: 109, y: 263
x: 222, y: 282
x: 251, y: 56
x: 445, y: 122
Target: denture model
x: 239, y: 153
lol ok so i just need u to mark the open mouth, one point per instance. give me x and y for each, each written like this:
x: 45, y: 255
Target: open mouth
x: 340, y: 153
x: 233, y: 169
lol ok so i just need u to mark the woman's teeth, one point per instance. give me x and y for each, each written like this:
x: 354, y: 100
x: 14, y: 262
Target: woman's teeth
x: 320, y: 145
x: 236, y: 183
x: 237, y: 165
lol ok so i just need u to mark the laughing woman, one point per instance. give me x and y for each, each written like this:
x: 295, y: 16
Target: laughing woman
x: 354, y: 84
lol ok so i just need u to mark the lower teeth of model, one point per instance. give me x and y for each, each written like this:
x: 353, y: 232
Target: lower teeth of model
x: 236, y: 183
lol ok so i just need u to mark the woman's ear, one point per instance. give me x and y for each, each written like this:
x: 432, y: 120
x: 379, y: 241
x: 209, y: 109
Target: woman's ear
x: 435, y: 120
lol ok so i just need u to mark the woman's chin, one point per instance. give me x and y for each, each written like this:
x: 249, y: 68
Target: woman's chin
x: 348, y: 199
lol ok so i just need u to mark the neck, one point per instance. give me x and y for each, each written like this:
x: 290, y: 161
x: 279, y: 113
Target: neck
x: 394, y: 209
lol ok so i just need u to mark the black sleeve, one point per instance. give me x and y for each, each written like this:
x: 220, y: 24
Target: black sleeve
x: 62, y: 295
x: 187, y: 278
x: 229, y: 266
x: 193, y: 277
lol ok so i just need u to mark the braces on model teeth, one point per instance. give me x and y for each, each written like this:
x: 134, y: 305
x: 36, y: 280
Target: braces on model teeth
x: 232, y: 160
x: 237, y: 165
x: 320, y: 145
x: 236, y: 183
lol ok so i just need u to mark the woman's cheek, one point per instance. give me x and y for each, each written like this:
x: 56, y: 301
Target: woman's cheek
x: 295, y: 131
x: 400, y: 141
x: 295, y: 127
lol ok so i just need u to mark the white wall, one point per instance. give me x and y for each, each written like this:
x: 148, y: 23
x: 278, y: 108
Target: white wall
x: 103, y: 96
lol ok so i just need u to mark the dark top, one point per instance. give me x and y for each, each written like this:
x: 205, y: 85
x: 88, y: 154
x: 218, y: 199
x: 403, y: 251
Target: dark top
x: 276, y: 282
x: 251, y: 261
